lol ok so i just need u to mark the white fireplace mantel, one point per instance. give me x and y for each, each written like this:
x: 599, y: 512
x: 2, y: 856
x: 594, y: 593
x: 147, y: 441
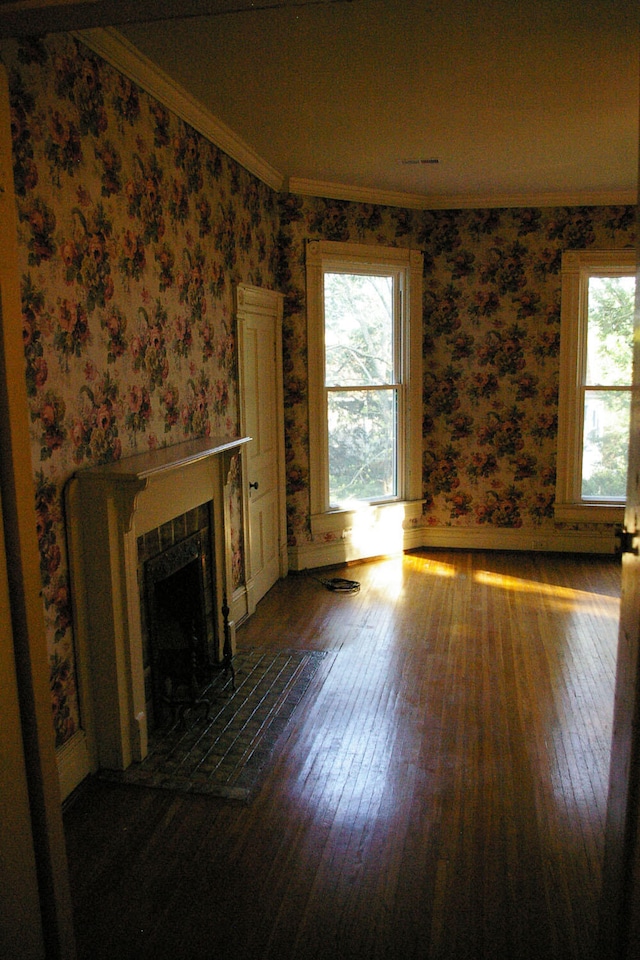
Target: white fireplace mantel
x: 108, y: 508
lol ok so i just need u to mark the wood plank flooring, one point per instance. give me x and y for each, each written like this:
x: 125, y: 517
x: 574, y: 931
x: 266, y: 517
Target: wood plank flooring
x: 441, y: 793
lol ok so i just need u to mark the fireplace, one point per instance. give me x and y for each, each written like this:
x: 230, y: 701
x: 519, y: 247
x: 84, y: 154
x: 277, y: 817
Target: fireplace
x: 141, y: 529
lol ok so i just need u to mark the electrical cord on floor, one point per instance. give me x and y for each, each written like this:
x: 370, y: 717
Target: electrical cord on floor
x: 339, y: 584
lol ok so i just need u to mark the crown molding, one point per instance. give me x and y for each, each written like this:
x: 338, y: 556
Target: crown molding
x: 417, y: 201
x: 23, y: 18
x: 109, y: 44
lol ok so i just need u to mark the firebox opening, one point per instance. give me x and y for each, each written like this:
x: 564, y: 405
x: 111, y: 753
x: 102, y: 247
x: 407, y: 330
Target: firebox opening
x: 180, y: 629
x: 179, y: 653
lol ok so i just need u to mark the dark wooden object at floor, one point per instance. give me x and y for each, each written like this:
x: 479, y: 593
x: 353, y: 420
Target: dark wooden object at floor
x: 442, y: 792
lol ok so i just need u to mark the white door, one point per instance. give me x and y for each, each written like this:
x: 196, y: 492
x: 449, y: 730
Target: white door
x: 620, y: 914
x: 259, y: 314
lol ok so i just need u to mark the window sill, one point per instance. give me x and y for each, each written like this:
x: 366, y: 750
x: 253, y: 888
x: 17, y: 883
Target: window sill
x: 336, y: 522
x: 589, y: 512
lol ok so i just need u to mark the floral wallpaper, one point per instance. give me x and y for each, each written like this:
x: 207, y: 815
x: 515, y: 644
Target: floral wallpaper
x: 491, y: 343
x: 133, y: 231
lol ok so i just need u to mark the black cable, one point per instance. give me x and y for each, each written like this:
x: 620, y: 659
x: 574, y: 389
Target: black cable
x: 339, y: 584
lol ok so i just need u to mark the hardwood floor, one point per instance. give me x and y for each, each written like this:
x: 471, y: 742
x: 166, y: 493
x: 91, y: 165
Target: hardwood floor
x: 441, y: 793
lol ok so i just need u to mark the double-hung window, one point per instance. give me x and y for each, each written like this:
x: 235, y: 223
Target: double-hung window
x: 596, y: 351
x: 364, y: 376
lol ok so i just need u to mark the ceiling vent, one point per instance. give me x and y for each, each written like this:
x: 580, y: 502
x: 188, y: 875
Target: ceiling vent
x: 419, y: 161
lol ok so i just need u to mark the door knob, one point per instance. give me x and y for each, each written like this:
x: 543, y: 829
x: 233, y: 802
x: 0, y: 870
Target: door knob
x: 253, y: 486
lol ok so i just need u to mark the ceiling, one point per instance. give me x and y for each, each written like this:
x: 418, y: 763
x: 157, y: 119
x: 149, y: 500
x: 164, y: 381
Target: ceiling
x: 436, y: 103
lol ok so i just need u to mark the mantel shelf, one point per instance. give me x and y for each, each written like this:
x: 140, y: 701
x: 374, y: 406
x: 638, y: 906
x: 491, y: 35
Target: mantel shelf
x: 141, y: 466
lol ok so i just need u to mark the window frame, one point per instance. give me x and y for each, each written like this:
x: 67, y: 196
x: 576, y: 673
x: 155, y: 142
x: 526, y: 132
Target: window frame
x: 578, y: 266
x: 325, y: 256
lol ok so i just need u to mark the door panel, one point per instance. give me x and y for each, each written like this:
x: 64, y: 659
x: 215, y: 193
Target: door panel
x: 259, y: 340
x: 620, y: 914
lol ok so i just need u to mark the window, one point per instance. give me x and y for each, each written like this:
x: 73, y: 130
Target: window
x: 364, y: 376
x: 598, y: 292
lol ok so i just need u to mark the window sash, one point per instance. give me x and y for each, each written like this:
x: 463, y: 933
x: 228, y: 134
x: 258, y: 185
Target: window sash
x: 388, y: 484
x: 577, y: 268
x: 395, y: 339
x: 379, y: 471
x: 591, y: 458
x: 406, y: 264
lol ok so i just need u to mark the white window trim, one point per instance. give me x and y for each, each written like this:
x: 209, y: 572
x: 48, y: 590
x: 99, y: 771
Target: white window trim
x: 319, y: 255
x: 577, y: 267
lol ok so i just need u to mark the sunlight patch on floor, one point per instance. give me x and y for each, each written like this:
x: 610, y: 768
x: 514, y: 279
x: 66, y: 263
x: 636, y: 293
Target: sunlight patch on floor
x: 564, y: 598
x: 438, y: 569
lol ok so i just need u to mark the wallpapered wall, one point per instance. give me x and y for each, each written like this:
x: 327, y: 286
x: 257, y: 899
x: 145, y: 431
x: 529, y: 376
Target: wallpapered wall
x: 133, y: 231
x: 491, y: 343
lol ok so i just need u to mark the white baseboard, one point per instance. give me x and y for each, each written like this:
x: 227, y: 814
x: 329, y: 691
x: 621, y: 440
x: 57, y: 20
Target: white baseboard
x: 306, y: 556
x: 334, y: 552
x: 74, y: 763
x: 239, y: 606
x: 309, y: 555
x: 530, y: 539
